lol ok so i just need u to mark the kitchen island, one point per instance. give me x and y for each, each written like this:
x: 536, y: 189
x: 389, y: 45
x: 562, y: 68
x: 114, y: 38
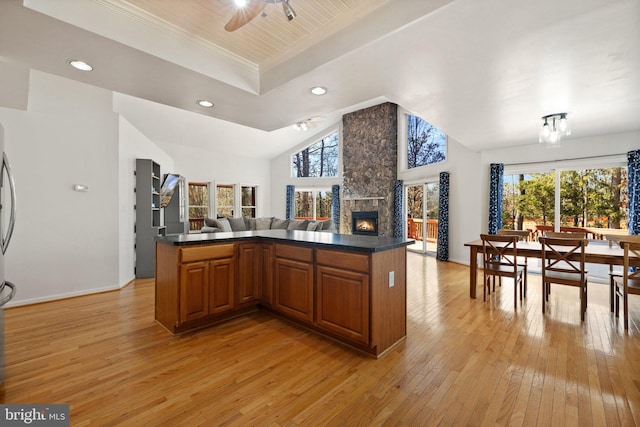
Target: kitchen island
x: 347, y: 287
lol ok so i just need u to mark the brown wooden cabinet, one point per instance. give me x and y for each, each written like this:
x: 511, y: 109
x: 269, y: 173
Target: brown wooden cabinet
x: 194, y: 291
x: 293, y: 281
x: 346, y: 294
x: 221, y: 285
x: 249, y: 276
x: 204, y: 286
x: 342, y: 302
x: 266, y: 272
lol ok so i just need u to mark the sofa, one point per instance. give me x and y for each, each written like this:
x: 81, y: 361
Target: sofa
x: 226, y: 224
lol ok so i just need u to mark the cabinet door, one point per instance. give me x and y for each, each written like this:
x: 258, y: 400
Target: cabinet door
x: 221, y: 285
x: 248, y: 272
x: 194, y: 290
x: 294, y: 288
x: 266, y: 270
x: 343, y: 302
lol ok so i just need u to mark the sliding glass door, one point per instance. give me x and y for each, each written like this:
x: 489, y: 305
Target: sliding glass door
x: 422, y: 216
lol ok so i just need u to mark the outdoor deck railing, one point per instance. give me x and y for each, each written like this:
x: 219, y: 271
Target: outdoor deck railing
x: 415, y: 229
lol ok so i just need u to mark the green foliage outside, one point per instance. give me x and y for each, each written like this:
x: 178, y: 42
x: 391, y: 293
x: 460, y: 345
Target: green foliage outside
x: 588, y: 198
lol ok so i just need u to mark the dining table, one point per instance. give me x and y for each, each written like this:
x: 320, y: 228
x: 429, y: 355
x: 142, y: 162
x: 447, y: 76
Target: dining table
x: 596, y: 252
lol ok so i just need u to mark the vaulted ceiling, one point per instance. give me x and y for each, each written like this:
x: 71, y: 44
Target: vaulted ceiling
x: 484, y: 72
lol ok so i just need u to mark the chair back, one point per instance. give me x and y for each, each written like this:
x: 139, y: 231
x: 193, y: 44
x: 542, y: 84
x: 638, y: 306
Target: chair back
x: 500, y: 250
x: 524, y: 235
x: 631, y: 247
x: 563, y: 260
x: 566, y: 235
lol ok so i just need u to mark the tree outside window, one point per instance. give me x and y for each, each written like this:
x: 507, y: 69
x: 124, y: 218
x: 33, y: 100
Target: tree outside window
x: 320, y: 159
x: 312, y: 204
x: 426, y: 144
x: 248, y: 200
x: 198, y: 204
x: 589, y: 198
x: 225, y: 200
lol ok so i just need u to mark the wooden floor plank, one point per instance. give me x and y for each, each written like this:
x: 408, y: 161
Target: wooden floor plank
x: 464, y: 362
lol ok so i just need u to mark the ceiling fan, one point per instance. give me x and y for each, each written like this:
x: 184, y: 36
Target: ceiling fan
x: 249, y: 9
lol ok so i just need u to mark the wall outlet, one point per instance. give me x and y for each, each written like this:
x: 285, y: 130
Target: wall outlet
x: 391, y: 279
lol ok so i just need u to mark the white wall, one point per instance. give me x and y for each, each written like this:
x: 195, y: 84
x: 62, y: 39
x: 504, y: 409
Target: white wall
x: 464, y: 194
x: 132, y: 145
x: 64, y: 241
x: 198, y: 165
x: 281, y: 172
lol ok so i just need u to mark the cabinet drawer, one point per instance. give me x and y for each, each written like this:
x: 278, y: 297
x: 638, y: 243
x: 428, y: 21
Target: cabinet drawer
x: 298, y: 253
x: 201, y: 253
x: 343, y: 260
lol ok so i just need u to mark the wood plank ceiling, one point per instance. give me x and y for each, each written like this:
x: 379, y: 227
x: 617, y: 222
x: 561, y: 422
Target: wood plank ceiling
x: 267, y: 40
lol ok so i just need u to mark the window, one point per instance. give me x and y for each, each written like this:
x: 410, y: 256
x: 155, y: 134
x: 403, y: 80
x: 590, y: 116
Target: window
x: 528, y: 201
x: 248, y: 200
x: 320, y: 159
x: 314, y: 204
x: 426, y: 144
x: 198, y: 204
x: 225, y: 199
x: 591, y: 199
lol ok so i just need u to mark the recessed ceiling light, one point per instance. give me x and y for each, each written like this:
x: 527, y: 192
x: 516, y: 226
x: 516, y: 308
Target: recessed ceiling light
x: 205, y: 103
x: 240, y: 3
x: 318, y: 90
x: 80, y: 65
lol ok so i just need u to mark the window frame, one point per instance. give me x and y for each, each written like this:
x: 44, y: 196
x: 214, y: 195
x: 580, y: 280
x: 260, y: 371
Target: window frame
x: 403, y: 149
x: 217, y: 205
x: 207, y: 206
x: 314, y: 192
x: 314, y: 140
x: 255, y: 196
x: 557, y: 167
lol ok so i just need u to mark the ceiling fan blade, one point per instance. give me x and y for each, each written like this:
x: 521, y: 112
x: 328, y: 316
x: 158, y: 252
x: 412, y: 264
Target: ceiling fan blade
x: 288, y: 10
x: 244, y: 15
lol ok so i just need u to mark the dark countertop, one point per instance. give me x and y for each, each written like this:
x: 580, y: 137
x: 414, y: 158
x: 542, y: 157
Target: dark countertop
x: 329, y: 240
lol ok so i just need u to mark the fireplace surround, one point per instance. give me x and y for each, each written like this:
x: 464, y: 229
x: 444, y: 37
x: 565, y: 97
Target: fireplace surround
x: 364, y: 223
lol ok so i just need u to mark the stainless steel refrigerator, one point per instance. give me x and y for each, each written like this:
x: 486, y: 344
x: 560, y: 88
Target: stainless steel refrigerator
x: 7, y: 222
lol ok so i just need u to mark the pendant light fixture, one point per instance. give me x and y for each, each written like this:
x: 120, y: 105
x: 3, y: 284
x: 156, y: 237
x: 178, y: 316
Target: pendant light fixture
x: 554, y: 127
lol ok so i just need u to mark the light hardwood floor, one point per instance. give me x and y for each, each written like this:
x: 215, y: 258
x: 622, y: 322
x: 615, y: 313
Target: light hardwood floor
x: 464, y: 362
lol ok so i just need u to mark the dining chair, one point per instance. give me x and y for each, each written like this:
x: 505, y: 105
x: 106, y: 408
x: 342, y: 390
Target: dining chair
x: 566, y: 234
x: 629, y: 283
x: 613, y: 271
x: 524, y: 236
x: 563, y: 263
x: 500, y: 254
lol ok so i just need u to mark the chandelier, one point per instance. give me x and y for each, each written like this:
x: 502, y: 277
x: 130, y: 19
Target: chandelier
x: 554, y: 127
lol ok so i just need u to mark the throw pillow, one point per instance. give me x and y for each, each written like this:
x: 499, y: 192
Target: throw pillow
x: 249, y: 223
x: 206, y: 229
x: 298, y: 224
x: 279, y: 224
x: 237, y: 224
x: 313, y: 226
x: 263, y: 223
x: 327, y: 225
x: 223, y: 223
x: 209, y: 222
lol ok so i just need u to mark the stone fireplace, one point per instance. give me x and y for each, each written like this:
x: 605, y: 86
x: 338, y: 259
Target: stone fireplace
x: 370, y: 162
x: 365, y: 223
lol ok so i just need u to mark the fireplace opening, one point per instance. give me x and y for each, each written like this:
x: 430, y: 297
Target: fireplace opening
x: 365, y: 223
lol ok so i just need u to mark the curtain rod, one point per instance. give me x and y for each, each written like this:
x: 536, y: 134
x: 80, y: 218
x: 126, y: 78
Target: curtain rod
x: 564, y: 160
